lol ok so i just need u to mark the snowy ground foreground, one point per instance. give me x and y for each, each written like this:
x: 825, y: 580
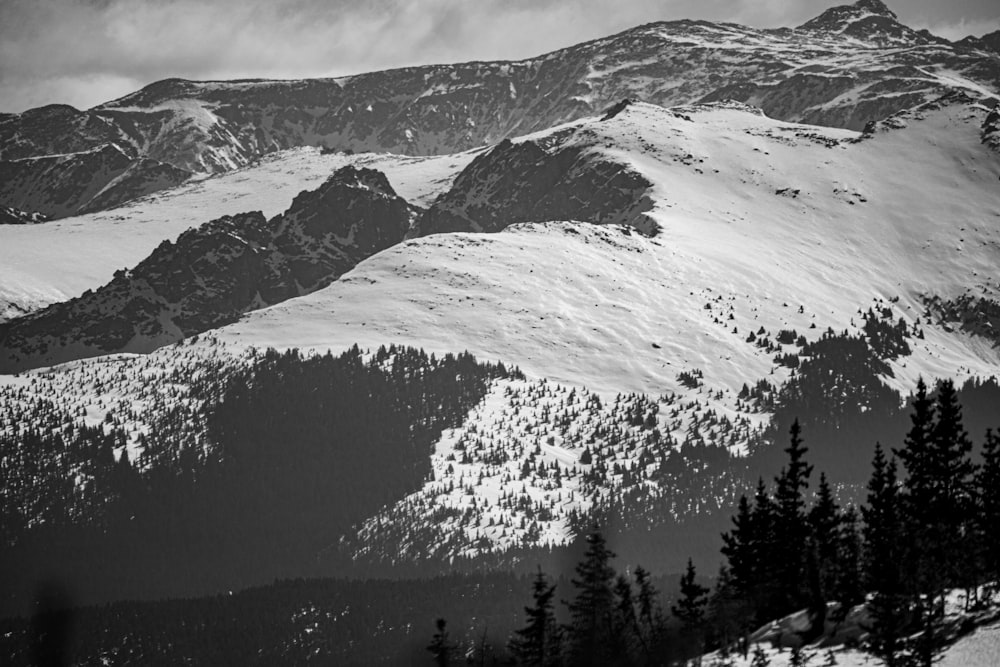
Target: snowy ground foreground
x: 759, y: 219
x: 55, y: 261
x: 980, y: 648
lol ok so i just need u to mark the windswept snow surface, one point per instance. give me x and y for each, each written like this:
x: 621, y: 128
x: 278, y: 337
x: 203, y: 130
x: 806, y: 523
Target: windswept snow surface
x: 763, y: 224
x: 55, y: 261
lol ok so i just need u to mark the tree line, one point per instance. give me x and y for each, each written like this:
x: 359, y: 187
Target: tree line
x: 297, y: 449
x: 928, y: 526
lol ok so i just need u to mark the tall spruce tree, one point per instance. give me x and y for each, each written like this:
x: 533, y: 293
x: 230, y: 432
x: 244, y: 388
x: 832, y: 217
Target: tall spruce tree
x: 915, y: 502
x: 690, y: 610
x: 592, y: 611
x: 988, y: 508
x: 651, y: 623
x: 848, y: 589
x: 883, y: 532
x: 791, y: 530
x: 537, y: 643
x: 953, y: 507
x: 937, y: 510
x: 738, y: 546
x: 764, y: 552
x: 824, y: 522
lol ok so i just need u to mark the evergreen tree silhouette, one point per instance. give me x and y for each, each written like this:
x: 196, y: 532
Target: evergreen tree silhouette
x: 988, y: 508
x: 690, y: 610
x: 538, y: 642
x: 883, y: 536
x: 824, y: 522
x: 791, y: 528
x: 592, y: 611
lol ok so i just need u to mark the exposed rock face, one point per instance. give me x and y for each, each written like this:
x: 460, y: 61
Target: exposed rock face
x: 62, y: 185
x: 868, y: 21
x: 215, y: 272
x: 844, y: 68
x: 988, y: 42
x: 991, y: 129
x: 523, y: 183
x: 14, y: 216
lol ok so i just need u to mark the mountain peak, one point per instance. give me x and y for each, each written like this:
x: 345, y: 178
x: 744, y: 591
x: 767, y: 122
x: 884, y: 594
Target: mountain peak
x: 841, y: 16
x: 875, y: 7
x: 868, y: 21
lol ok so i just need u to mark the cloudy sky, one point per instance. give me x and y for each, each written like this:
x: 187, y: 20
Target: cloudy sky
x: 84, y: 52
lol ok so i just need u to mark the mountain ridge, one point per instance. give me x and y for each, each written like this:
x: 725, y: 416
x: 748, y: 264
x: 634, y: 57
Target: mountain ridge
x: 215, y: 272
x: 808, y: 74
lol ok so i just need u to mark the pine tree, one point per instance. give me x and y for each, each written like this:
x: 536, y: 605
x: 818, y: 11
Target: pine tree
x: 690, y: 610
x: 824, y: 522
x: 650, y: 617
x: 915, y: 502
x: 791, y: 528
x: 952, y: 473
x: 626, y: 638
x: 848, y: 589
x: 592, y: 612
x: 988, y: 507
x: 738, y: 548
x: 882, y: 551
x: 537, y: 643
x: 937, y: 509
x: 765, y: 550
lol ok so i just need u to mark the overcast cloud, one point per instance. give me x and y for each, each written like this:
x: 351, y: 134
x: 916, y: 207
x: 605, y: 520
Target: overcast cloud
x: 84, y: 52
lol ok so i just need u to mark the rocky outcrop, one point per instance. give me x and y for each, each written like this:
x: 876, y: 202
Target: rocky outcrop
x: 869, y: 21
x: 988, y: 42
x: 213, y: 273
x: 69, y: 184
x: 991, y: 129
x: 521, y: 182
x: 14, y: 216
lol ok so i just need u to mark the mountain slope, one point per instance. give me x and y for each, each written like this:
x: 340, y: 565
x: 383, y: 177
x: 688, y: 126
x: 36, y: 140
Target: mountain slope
x: 774, y: 224
x: 58, y: 186
x: 57, y: 261
x: 523, y: 182
x: 217, y: 271
x: 769, y: 237
x: 846, y: 67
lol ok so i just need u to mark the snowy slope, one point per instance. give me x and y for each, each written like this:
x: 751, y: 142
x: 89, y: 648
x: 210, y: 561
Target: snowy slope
x: 59, y: 260
x: 779, y: 225
x: 975, y: 636
x: 762, y: 225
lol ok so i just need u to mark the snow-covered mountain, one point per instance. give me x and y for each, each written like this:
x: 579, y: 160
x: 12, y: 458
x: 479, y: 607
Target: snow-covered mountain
x: 63, y: 258
x: 662, y: 229
x: 759, y: 223
x: 850, y: 65
x: 217, y: 271
x: 718, y: 187
x: 717, y: 244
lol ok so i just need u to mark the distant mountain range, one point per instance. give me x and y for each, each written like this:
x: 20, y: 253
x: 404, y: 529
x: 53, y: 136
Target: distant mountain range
x: 850, y: 65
